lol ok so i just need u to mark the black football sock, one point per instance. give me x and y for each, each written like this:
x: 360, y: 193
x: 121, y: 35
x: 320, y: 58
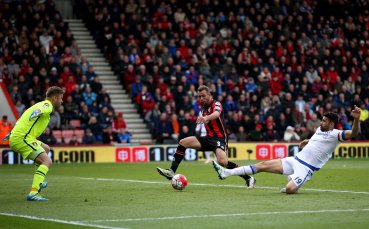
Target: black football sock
x: 178, y: 157
x: 232, y: 165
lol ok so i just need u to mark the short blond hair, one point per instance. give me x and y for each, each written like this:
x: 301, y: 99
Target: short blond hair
x: 53, y: 91
x: 203, y: 88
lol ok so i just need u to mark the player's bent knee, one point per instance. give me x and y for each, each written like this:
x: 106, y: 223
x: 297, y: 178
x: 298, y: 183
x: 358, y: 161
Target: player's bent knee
x: 290, y: 189
x: 182, y: 142
x: 46, y: 148
x: 49, y: 163
x: 44, y: 159
x: 222, y: 161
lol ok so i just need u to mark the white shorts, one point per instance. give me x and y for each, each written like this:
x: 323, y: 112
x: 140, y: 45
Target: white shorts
x: 296, y: 171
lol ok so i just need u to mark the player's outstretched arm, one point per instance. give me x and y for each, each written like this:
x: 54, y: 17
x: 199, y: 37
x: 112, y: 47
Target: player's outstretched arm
x: 303, y: 143
x: 205, y: 119
x: 355, y: 127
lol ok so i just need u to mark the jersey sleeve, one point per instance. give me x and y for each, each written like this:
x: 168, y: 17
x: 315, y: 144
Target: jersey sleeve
x: 44, y: 108
x: 217, y: 106
x: 340, y: 135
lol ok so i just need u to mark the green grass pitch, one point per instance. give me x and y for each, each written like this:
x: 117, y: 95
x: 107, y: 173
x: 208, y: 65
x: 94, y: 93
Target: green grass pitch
x: 134, y: 196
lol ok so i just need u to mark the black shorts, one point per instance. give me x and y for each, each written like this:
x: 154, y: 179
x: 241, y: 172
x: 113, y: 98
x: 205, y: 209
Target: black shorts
x: 212, y: 143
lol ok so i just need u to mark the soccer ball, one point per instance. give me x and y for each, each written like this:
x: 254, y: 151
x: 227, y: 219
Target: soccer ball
x: 179, y: 182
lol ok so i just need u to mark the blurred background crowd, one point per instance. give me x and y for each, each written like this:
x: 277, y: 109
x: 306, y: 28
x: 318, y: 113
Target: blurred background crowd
x: 276, y: 66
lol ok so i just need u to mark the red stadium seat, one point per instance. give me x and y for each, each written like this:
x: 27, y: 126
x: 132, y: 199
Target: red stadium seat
x: 67, y: 135
x: 79, y: 134
x: 75, y: 123
x: 58, y: 135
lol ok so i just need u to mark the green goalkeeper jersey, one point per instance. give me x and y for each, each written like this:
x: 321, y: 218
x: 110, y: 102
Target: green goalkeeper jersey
x: 34, y: 120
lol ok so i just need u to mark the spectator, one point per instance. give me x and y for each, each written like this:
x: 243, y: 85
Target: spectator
x: 270, y: 134
x: 257, y: 134
x: 47, y: 137
x: 88, y: 137
x: 175, y: 126
x: 290, y: 134
x: 5, y: 128
x: 241, y: 134
x: 20, y: 107
x: 89, y: 96
x: 163, y: 129
x: 74, y: 141
x: 95, y: 128
x: 124, y: 136
x: 145, y: 101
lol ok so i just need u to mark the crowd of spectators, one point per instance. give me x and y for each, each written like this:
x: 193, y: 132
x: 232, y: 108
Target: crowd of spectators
x: 276, y: 66
x: 38, y: 50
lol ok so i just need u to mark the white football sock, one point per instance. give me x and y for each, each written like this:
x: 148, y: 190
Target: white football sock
x: 243, y: 170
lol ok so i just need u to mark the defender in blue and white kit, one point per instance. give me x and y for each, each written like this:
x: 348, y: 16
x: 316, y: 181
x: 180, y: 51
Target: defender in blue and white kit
x: 313, y: 156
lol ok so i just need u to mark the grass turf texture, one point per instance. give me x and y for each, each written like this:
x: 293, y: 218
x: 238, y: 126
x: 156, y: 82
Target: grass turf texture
x: 125, y: 196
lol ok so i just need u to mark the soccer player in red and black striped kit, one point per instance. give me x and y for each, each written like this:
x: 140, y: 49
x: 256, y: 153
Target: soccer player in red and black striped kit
x: 215, y: 140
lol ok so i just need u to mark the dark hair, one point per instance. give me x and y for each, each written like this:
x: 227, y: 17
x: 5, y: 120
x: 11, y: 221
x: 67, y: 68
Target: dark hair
x: 333, y: 117
x: 203, y: 88
x: 53, y: 91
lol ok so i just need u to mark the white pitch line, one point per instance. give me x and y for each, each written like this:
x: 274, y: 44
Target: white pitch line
x: 220, y: 185
x: 229, y: 215
x: 60, y: 221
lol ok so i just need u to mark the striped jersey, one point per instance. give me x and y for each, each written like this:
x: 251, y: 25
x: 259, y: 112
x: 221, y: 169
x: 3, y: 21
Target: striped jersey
x: 34, y: 120
x: 215, y: 127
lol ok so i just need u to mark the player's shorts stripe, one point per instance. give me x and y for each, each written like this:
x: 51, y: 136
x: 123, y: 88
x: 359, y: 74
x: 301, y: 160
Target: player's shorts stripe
x: 25, y: 137
x: 29, y: 131
x: 306, y: 164
x: 28, y: 144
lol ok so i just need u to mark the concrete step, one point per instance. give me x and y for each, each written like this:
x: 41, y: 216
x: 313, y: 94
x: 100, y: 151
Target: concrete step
x: 112, y: 80
x: 124, y: 107
x: 88, y: 52
x: 135, y: 141
x: 141, y: 136
x: 122, y: 98
x: 138, y: 122
x: 139, y: 131
x: 107, y: 76
x: 80, y: 32
x: 117, y: 91
x: 82, y: 46
x: 73, y: 20
x: 106, y: 72
x: 131, y: 116
x: 102, y: 68
x: 127, y: 109
x: 85, y: 41
x: 97, y: 59
x: 79, y: 37
x: 108, y: 81
x: 107, y: 84
x: 118, y: 97
x: 77, y: 27
x: 136, y: 125
x: 113, y: 86
x: 120, y: 104
x: 99, y: 64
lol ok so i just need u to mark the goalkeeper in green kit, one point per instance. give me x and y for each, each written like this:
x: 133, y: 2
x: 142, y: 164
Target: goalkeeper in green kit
x: 23, y: 138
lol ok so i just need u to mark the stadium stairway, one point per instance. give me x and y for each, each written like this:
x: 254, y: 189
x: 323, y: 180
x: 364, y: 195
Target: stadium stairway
x: 119, y: 97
